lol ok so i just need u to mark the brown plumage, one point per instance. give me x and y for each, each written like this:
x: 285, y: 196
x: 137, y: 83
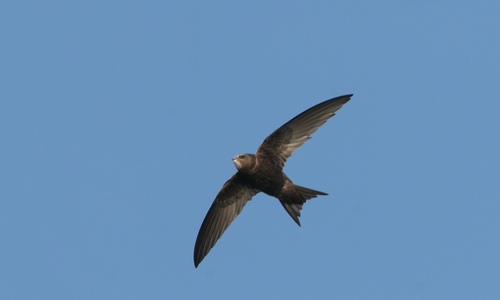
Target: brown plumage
x: 263, y: 172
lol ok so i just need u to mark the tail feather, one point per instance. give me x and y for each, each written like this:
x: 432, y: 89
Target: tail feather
x: 308, y: 193
x: 293, y: 205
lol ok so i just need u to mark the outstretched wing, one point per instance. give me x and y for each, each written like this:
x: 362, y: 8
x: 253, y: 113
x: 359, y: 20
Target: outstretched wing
x: 226, y: 206
x: 281, y: 143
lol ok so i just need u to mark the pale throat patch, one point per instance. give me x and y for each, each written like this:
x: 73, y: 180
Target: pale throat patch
x: 236, y: 162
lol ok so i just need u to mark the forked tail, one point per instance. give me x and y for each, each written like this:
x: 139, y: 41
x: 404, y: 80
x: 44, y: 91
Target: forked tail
x: 293, y: 205
x: 308, y: 193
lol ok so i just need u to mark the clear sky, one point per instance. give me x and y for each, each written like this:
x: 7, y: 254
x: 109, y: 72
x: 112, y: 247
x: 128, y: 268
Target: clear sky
x: 119, y: 119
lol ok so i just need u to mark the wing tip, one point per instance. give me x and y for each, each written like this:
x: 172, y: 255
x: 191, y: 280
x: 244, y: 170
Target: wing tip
x: 345, y: 98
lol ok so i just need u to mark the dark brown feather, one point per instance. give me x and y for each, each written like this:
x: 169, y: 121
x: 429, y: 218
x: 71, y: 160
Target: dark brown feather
x: 264, y: 172
x: 226, y: 206
x: 283, y: 141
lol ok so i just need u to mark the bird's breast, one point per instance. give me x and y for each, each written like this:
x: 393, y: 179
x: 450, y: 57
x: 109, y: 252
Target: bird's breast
x: 269, y: 180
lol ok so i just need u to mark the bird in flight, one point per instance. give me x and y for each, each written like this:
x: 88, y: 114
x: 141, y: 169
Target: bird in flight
x: 263, y: 172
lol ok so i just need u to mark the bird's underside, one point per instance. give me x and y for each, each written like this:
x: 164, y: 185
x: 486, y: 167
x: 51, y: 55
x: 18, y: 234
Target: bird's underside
x: 263, y: 171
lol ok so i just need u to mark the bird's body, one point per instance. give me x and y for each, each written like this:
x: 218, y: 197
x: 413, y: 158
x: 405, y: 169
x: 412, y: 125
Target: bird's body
x: 267, y: 178
x: 263, y: 172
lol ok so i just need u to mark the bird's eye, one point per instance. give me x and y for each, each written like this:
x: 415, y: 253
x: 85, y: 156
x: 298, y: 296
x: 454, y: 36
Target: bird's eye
x: 242, y: 156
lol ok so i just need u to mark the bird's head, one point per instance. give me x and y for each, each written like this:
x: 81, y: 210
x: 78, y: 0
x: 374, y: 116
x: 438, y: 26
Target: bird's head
x: 244, y: 161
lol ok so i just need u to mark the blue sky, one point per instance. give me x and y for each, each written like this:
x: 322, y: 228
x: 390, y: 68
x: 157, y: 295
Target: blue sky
x: 119, y: 120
